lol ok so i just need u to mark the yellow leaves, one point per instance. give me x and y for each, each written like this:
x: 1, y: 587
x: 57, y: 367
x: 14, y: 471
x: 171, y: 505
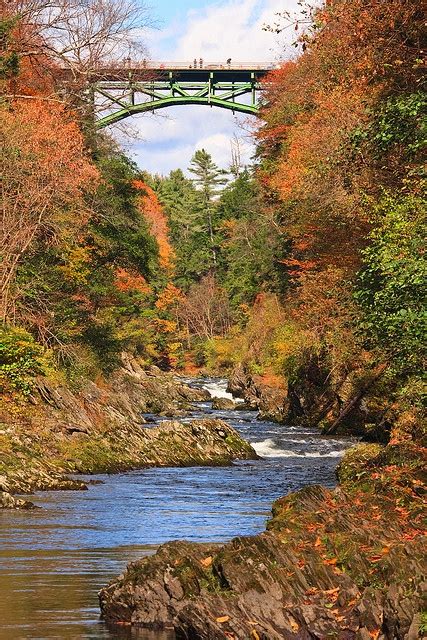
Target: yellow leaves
x: 318, y: 542
x: 255, y: 635
x: 165, y: 326
x: 374, y: 634
x: 206, y: 562
x: 294, y: 624
x: 222, y: 619
x: 331, y: 561
x: 77, y: 265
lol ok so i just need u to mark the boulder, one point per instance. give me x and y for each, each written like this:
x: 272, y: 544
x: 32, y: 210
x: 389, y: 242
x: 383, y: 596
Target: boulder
x: 7, y: 501
x: 318, y: 572
x: 223, y: 404
x: 239, y: 382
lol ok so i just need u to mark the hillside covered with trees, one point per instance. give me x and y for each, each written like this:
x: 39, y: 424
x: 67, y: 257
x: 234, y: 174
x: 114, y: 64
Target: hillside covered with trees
x: 300, y: 277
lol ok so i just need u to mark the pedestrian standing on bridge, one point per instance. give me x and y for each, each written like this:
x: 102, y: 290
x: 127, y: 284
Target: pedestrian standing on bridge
x: 229, y: 62
x: 195, y: 63
x: 201, y: 63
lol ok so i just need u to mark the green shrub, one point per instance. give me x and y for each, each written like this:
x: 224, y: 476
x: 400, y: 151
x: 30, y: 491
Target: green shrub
x: 21, y: 359
x: 392, y: 290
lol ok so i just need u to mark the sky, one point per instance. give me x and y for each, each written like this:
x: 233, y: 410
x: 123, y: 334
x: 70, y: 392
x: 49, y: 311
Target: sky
x: 215, y: 31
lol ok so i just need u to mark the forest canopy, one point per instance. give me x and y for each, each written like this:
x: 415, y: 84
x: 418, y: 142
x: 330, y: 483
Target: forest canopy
x: 310, y: 256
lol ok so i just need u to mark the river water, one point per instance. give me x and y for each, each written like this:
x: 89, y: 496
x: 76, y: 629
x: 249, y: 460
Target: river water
x: 54, y: 560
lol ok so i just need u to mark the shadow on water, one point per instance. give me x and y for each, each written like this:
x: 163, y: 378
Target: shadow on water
x: 54, y: 560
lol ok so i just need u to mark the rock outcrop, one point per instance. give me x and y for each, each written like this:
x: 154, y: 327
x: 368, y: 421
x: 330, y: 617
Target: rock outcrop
x: 223, y: 404
x: 345, y: 402
x: 346, y: 564
x: 100, y: 428
x: 269, y: 399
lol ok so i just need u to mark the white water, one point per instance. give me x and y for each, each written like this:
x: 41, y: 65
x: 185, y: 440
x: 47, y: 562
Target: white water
x: 269, y: 449
x: 54, y: 560
x: 218, y: 389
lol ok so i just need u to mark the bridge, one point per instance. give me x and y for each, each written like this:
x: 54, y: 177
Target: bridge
x: 130, y: 88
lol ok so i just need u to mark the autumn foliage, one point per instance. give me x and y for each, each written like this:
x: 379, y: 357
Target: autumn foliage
x: 45, y: 174
x: 152, y: 210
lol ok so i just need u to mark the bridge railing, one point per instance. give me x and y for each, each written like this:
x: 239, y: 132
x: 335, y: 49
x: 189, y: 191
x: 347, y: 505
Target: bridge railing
x: 195, y: 64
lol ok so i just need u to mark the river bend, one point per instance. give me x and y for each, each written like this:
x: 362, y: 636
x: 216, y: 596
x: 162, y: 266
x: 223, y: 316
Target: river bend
x: 54, y: 560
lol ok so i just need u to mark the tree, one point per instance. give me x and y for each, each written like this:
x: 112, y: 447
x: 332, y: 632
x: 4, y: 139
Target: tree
x: 208, y: 180
x: 45, y: 173
x: 187, y: 223
x: 205, y: 311
x: 70, y: 40
x: 9, y: 59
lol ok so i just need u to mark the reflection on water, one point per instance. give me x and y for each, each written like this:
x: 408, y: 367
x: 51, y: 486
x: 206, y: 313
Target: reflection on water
x: 52, y: 594
x: 54, y: 560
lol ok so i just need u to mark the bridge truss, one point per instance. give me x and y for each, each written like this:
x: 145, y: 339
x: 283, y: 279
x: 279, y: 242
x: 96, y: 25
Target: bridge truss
x: 120, y: 93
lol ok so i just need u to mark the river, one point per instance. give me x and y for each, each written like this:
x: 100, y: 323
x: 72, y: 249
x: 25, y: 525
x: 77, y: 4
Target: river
x: 54, y: 560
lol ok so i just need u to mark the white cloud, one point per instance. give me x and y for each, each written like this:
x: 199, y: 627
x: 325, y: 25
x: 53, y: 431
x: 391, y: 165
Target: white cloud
x: 215, y: 32
x: 170, y: 143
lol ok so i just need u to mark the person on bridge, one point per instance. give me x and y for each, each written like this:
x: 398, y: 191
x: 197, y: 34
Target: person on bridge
x: 229, y: 62
x: 201, y: 63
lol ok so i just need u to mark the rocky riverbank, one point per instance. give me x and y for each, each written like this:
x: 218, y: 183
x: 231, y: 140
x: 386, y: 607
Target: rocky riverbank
x: 99, y: 428
x: 357, y: 402
x: 345, y: 564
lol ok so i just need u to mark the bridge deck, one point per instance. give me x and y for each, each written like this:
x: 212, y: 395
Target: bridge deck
x: 159, y: 71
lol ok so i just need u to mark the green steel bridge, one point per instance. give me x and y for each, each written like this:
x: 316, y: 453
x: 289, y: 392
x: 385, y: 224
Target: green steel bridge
x: 124, y: 90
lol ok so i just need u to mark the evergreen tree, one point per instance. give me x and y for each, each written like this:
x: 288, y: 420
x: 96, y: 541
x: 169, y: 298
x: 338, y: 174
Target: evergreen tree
x: 208, y: 180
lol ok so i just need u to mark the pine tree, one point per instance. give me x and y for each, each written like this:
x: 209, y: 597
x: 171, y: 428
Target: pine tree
x: 208, y: 180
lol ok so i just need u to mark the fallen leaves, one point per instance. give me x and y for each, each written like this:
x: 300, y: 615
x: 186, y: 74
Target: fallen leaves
x: 222, y: 619
x: 294, y: 624
x: 206, y: 562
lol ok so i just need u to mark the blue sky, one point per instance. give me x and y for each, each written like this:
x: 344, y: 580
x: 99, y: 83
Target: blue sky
x: 215, y: 31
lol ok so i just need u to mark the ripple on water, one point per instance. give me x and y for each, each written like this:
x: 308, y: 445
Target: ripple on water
x: 54, y: 560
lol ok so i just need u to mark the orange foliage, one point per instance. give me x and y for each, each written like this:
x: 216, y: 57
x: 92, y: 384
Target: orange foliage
x: 169, y: 297
x: 153, y: 212
x: 360, y: 51
x: 45, y: 175
x: 126, y: 281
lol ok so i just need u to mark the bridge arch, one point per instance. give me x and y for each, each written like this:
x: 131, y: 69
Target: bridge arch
x: 141, y: 88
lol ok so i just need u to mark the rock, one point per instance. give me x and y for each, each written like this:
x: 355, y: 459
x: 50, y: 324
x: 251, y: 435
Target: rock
x: 321, y: 570
x: 223, y: 404
x: 269, y: 399
x: 239, y: 382
x: 7, y: 501
x: 243, y: 406
x: 99, y: 428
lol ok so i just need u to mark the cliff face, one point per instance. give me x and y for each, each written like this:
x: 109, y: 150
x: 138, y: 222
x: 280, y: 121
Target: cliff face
x: 342, y: 564
x: 355, y: 402
x: 100, y: 428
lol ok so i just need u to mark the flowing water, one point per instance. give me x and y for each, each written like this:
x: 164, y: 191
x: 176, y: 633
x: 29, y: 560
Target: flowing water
x: 54, y: 560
